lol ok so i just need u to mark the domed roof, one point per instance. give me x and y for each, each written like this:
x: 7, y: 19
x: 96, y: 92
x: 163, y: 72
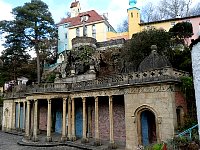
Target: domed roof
x: 154, y: 61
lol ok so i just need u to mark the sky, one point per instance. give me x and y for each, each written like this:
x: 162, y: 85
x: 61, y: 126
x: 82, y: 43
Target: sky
x: 116, y: 9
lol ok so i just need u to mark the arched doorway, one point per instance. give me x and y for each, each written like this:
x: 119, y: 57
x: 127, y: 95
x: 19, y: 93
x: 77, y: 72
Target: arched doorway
x: 180, y: 116
x: 148, y: 127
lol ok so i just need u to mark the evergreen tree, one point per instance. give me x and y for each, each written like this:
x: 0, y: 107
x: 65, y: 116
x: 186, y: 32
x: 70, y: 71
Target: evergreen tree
x: 32, y: 25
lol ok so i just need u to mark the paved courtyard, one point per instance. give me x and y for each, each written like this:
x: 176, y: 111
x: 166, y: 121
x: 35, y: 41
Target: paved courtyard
x: 9, y: 142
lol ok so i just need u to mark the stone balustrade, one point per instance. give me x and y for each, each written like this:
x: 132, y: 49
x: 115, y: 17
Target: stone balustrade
x: 120, y: 80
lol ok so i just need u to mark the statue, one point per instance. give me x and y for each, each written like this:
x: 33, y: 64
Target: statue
x: 84, y: 27
x: 132, y: 2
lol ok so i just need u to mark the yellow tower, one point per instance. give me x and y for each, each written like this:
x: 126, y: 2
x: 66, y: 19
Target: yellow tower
x: 133, y: 21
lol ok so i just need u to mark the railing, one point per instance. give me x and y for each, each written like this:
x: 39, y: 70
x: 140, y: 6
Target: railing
x: 187, y: 131
x: 134, y: 78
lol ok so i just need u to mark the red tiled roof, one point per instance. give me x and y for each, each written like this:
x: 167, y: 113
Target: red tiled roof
x: 74, y: 4
x: 74, y: 21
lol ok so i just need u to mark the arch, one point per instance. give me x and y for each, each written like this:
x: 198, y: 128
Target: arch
x: 143, y: 115
x: 180, y: 116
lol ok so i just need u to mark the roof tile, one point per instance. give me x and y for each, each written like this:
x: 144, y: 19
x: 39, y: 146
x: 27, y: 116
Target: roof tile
x: 74, y: 21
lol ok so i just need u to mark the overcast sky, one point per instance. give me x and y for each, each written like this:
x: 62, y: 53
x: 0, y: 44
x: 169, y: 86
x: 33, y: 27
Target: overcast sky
x: 116, y: 9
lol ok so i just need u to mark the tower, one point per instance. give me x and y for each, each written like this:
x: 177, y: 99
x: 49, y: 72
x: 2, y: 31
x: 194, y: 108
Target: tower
x: 75, y: 8
x: 133, y: 18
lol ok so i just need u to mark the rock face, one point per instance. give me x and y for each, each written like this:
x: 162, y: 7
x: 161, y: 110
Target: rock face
x: 196, y: 75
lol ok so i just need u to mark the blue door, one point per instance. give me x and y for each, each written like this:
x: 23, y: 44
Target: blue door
x: 145, y: 129
x: 16, y: 115
x: 58, y: 124
x: 21, y: 118
x: 79, y: 121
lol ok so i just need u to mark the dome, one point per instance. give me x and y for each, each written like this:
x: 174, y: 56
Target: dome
x: 154, y: 61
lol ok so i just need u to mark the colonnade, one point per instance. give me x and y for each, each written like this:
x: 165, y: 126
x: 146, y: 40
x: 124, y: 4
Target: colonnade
x: 69, y: 133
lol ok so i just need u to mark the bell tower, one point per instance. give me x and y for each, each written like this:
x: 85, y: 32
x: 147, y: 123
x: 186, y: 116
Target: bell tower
x: 75, y: 8
x: 133, y: 18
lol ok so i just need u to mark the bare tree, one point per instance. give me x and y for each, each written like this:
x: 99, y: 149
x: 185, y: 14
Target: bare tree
x: 195, y: 10
x: 123, y: 27
x: 174, y: 8
x: 168, y: 9
x: 147, y: 12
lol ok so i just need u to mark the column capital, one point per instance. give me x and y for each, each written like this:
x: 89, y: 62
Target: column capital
x: 28, y: 102
x: 64, y: 100
x: 69, y: 100
x: 111, y: 98
x: 83, y: 99
x: 49, y: 101
x: 96, y: 98
x: 35, y: 100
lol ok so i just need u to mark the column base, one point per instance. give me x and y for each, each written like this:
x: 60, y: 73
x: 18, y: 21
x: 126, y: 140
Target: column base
x: 84, y: 140
x: 27, y: 137
x: 48, y: 139
x: 63, y: 139
x: 112, y: 145
x: 35, y: 139
x: 69, y: 138
x: 73, y: 138
x: 97, y: 142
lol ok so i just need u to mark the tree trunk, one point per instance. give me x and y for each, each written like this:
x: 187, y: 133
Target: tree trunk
x: 38, y: 63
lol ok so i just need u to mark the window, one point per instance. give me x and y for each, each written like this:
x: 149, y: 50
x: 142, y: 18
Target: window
x: 173, y: 23
x: 66, y: 47
x: 77, y: 32
x: 93, y: 31
x: 65, y: 25
x: 66, y: 35
x: 188, y: 21
x: 85, y: 30
x: 131, y: 15
x: 108, y: 28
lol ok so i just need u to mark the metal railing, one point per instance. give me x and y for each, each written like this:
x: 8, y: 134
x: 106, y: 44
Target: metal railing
x: 188, y: 131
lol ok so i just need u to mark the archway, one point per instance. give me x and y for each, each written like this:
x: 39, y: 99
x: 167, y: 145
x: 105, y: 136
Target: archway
x: 180, y: 116
x: 148, y: 127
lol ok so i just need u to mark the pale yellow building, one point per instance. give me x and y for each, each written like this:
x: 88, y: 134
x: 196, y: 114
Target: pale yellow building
x: 96, y: 26
x: 135, y: 25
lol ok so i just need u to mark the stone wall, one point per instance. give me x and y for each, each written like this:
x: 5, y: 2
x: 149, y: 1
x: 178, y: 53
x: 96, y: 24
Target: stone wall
x: 196, y: 74
x: 1, y: 116
x: 119, y: 120
x: 8, y: 115
x: 43, y: 117
x: 104, y: 124
x: 181, y: 101
x: 160, y: 102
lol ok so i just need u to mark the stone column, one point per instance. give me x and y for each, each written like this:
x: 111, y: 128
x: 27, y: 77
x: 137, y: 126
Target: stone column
x: 24, y: 115
x: 97, y: 139
x: 49, y: 138
x: 84, y: 137
x: 112, y: 143
x: 35, y: 121
x: 73, y: 121
x: 69, y: 136
x: 63, y: 138
x: 27, y: 130
x: 18, y: 115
